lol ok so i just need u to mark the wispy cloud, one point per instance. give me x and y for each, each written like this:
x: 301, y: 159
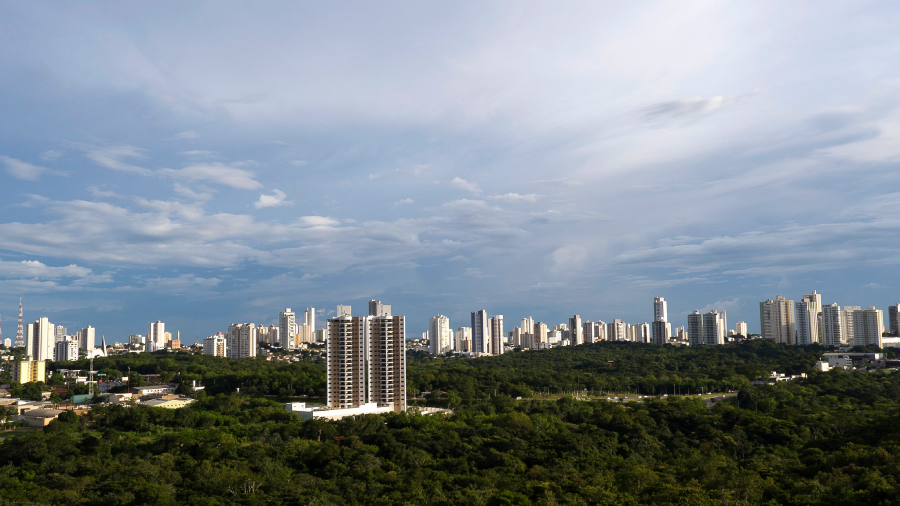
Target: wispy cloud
x: 187, y: 134
x: 112, y: 157
x: 412, y: 171
x: 23, y: 170
x: 216, y: 172
x: 462, y: 184
x: 515, y: 197
x: 404, y: 201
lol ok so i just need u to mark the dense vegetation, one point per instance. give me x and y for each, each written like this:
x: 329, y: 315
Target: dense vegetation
x: 832, y: 438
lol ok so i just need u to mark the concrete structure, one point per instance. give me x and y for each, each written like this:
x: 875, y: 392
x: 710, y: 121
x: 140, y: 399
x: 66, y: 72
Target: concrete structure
x: 214, y: 345
x: 28, y: 370
x: 832, y: 325
x: 714, y: 328
x: 366, y: 360
x: 324, y: 413
x: 440, y: 335
x: 376, y: 308
x: 497, y: 336
x: 154, y: 390
x: 157, y: 336
x: 740, y: 328
x: 65, y: 350
x: 809, y: 314
x: 868, y: 325
x: 41, y: 340
x: 481, y: 341
x: 660, y: 310
x: 576, y: 332
x: 87, y: 339
x: 169, y: 402
x: 40, y: 417
x: 240, y: 341
x: 615, y: 330
x: 845, y: 360
x: 776, y: 320
x: 695, y: 328
x: 463, y: 339
x: 287, y: 328
x: 847, y: 323
x: 894, y: 319
x: 540, y: 339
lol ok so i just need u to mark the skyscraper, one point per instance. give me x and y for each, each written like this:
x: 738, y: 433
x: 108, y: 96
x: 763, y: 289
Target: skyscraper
x: 287, y: 327
x: 808, y: 314
x: 713, y: 328
x: 41, y: 339
x: 240, y: 341
x: 776, y: 320
x: 894, y: 319
x: 157, y: 336
x: 615, y: 330
x: 576, y: 332
x: 868, y: 324
x: 832, y: 326
x: 20, y: 332
x: 497, y: 335
x: 366, y: 360
x: 376, y: 308
x: 87, y: 339
x: 539, y: 337
x: 695, y: 328
x: 481, y: 334
x: 660, y: 313
x: 440, y: 335
x: 463, y: 339
x: 847, y: 336
x: 740, y: 328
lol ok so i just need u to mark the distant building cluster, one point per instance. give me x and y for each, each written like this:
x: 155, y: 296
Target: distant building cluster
x: 242, y: 340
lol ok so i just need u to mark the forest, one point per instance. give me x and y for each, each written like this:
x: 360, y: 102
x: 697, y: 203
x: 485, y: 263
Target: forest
x: 831, y: 438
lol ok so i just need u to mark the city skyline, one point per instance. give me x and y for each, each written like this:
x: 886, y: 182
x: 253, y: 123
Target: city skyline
x: 578, y: 161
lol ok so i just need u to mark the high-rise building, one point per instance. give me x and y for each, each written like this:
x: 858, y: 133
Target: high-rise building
x: 59, y: 333
x: 615, y: 330
x: 740, y: 328
x: 776, y: 320
x: 87, y: 339
x: 376, y: 308
x: 527, y: 325
x: 589, y: 331
x: 463, y: 339
x: 695, y: 328
x: 713, y: 328
x: 366, y: 360
x: 481, y: 333
x: 894, y: 319
x: 832, y: 325
x: 440, y: 335
x: 661, y: 331
x: 214, y: 345
x: 41, y: 339
x: 240, y: 341
x: 287, y: 326
x: 809, y: 311
x: 497, y: 336
x: 847, y: 324
x: 642, y: 332
x: 65, y: 350
x: 20, y: 332
x: 576, y: 332
x: 321, y: 335
x: 28, y: 370
x: 868, y: 325
x: 540, y: 339
x: 157, y: 336
x: 660, y: 313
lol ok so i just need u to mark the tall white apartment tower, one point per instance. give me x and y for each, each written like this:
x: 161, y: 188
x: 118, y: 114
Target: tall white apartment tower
x: 463, y: 338
x: 660, y: 313
x: 740, y: 328
x: 847, y: 324
x: 440, y: 335
x: 832, y: 326
x: 808, y: 313
x: 157, y: 335
x: 240, y: 341
x: 41, y: 340
x: 87, y: 339
x: 868, y: 324
x: 287, y: 326
x: 576, y: 331
x: 481, y: 334
x: 713, y: 328
x: 496, y: 335
x: 776, y: 320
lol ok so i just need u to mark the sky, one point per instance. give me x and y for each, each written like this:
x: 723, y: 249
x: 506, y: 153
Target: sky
x: 215, y: 162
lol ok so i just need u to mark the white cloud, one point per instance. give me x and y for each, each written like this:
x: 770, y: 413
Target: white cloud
x: 462, y: 184
x: 298, y: 163
x: 728, y: 305
x: 187, y: 134
x: 50, y: 155
x: 396, y: 173
x: 686, y: 108
x: 216, y: 173
x: 112, y: 157
x: 515, y: 197
x: 199, y: 153
x: 36, y: 269
x: 188, y: 192
x: 99, y: 193
x: 22, y: 170
x: 276, y: 199
x: 404, y: 201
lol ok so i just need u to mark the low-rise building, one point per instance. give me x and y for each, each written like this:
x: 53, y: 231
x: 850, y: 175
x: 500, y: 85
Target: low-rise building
x: 323, y: 412
x: 154, y: 389
x: 169, y: 402
x: 40, y: 417
x: 847, y: 360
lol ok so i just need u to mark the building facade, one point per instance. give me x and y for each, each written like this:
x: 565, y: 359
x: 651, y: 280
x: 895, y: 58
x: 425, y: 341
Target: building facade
x: 776, y: 320
x: 481, y: 341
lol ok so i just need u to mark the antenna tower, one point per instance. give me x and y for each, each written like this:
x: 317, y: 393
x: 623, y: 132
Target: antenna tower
x: 20, y: 335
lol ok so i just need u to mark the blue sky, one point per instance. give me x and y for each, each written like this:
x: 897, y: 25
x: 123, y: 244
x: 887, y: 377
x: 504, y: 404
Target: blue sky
x: 215, y: 162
